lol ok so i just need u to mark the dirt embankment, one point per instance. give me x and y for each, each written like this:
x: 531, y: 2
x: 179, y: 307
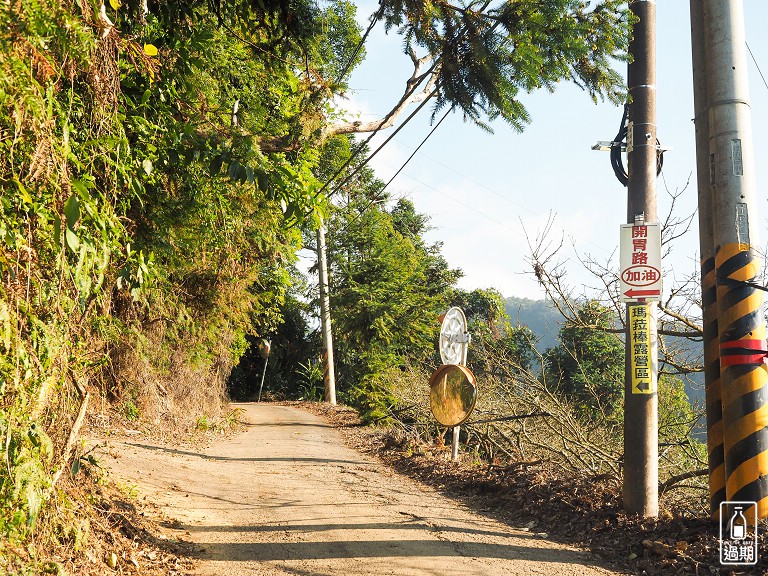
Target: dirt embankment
x: 286, y: 496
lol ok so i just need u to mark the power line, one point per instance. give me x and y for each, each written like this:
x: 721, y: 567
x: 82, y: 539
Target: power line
x: 468, y: 206
x: 370, y: 203
x: 367, y: 140
x: 374, y: 19
x: 362, y: 146
x: 365, y: 143
x: 756, y: 64
x: 492, y: 191
x: 435, y: 127
x: 410, y: 92
x: 476, y: 182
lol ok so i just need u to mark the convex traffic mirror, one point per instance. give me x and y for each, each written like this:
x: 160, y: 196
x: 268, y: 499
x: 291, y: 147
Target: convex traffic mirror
x: 452, y: 394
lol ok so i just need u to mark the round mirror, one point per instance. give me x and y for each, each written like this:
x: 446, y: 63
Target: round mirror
x: 264, y: 348
x: 452, y: 394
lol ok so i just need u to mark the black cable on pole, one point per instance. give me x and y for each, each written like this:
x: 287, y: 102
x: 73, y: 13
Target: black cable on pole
x: 619, y: 142
x: 616, y: 161
x: 725, y: 281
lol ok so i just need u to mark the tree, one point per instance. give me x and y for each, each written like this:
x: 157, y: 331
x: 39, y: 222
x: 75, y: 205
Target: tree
x: 162, y: 158
x: 149, y: 216
x: 388, y: 288
x: 493, y: 334
x: 587, y: 366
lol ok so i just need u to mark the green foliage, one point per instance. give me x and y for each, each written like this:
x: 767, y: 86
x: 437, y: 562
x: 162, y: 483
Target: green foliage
x: 27, y: 454
x: 493, y: 334
x: 373, y: 394
x: 516, y: 345
x: 388, y: 289
x: 142, y: 234
x: 484, y: 309
x: 486, y: 54
x: 293, y: 344
x: 157, y: 173
x: 311, y: 381
x: 677, y: 417
x: 587, y: 366
x: 130, y: 410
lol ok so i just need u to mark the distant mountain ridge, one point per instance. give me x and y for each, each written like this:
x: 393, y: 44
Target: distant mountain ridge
x: 545, y: 321
x: 540, y: 316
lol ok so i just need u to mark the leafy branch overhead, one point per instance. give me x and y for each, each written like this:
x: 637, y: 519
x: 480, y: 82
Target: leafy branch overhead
x: 482, y: 55
x: 479, y: 57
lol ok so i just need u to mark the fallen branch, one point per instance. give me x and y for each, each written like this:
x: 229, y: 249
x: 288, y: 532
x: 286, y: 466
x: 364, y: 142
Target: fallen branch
x: 667, y: 484
x: 508, y: 418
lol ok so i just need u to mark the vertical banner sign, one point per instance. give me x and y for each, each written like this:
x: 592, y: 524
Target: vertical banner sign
x: 640, y: 260
x: 642, y: 358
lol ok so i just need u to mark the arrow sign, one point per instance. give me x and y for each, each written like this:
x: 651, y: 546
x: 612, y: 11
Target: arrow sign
x: 643, y: 386
x: 642, y: 349
x: 636, y: 293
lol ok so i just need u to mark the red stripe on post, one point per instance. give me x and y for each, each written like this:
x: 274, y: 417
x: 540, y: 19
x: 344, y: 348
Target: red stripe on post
x: 748, y: 344
x: 739, y: 360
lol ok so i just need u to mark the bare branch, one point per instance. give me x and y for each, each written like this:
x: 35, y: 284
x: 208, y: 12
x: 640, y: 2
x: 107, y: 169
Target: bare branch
x: 685, y: 320
x: 410, y: 96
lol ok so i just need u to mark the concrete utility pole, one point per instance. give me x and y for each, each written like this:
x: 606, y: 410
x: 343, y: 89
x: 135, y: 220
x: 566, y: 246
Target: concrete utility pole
x: 714, y: 406
x: 741, y: 324
x: 329, y: 374
x: 641, y: 462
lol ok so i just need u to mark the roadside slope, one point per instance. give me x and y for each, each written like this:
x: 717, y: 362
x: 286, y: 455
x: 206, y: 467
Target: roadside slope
x: 286, y: 496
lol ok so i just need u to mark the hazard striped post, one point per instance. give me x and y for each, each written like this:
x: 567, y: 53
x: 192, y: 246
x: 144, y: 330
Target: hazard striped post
x: 741, y: 326
x: 713, y: 398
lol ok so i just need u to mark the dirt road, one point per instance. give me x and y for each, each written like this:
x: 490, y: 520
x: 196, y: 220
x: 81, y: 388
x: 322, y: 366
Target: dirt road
x: 286, y: 496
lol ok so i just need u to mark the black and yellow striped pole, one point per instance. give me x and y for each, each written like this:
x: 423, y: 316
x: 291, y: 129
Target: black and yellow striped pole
x: 741, y: 325
x: 712, y: 385
x: 714, y: 406
x: 744, y: 376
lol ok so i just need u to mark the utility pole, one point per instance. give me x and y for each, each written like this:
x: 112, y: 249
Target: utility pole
x: 329, y: 374
x: 741, y: 324
x: 641, y: 465
x: 714, y: 406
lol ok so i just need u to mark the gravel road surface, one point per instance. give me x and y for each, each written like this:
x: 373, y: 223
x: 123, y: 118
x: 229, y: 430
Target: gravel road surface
x: 286, y: 497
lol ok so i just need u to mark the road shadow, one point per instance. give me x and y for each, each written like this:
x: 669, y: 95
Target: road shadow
x: 325, y: 527
x: 416, y: 548
x: 202, y: 456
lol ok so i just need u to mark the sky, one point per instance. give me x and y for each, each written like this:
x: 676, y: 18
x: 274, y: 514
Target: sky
x: 487, y: 195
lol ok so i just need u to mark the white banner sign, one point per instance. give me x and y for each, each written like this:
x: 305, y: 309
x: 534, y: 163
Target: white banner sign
x: 640, y: 260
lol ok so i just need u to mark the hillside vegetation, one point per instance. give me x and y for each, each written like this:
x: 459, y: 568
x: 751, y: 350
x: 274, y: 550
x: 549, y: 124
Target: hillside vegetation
x: 162, y: 163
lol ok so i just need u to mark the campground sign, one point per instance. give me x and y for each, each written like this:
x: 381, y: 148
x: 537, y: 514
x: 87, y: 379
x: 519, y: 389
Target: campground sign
x: 640, y: 260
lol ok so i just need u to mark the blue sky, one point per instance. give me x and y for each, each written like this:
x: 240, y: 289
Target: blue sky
x: 484, y: 192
